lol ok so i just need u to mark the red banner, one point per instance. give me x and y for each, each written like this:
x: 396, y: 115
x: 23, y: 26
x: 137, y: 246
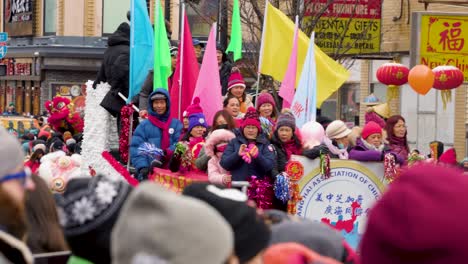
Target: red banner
x: 176, y: 181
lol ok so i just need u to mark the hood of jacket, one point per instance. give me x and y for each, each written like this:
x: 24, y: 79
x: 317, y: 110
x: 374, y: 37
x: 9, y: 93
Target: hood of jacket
x: 121, y: 36
x: 216, y: 137
x: 164, y: 117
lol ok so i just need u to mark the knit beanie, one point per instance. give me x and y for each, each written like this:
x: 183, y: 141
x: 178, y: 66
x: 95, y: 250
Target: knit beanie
x: 195, y: 115
x: 251, y: 235
x: 265, y: 98
x: 449, y: 157
x: 337, y: 129
x: 251, y: 119
x: 419, y: 219
x: 11, y: 153
x: 315, y: 236
x: 88, y: 210
x: 160, y: 225
x: 235, y: 79
x: 286, y: 119
x: 371, y: 128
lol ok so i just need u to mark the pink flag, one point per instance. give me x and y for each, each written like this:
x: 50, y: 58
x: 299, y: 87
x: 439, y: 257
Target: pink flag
x: 208, y: 85
x: 185, y: 75
x: 288, y: 85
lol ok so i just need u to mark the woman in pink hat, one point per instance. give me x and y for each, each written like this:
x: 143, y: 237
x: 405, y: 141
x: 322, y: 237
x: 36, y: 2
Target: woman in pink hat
x: 266, y: 108
x: 236, y: 87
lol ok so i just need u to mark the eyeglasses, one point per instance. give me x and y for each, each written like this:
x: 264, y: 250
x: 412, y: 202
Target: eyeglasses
x: 22, y: 176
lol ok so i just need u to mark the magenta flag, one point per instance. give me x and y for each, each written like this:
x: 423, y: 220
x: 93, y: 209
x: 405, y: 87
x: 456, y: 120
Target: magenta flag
x: 288, y: 85
x: 185, y: 74
x: 208, y: 87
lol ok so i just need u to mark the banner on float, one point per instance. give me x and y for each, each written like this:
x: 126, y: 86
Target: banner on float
x: 343, y: 200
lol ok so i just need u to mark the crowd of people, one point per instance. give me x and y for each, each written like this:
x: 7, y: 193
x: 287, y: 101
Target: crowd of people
x: 49, y: 204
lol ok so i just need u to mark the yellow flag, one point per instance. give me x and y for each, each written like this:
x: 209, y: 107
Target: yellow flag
x: 277, y: 41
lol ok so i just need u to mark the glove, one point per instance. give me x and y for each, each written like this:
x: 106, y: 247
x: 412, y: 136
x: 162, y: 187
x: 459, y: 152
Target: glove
x: 324, y: 150
x: 253, y: 151
x: 143, y: 174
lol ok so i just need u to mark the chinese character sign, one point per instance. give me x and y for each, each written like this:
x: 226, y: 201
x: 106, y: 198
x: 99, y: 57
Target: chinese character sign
x: 343, y: 200
x: 347, y: 26
x: 444, y: 42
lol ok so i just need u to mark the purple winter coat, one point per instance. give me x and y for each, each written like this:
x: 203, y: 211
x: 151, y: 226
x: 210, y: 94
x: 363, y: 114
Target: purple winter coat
x: 361, y: 153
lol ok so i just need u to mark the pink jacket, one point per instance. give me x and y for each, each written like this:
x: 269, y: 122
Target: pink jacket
x: 215, y: 171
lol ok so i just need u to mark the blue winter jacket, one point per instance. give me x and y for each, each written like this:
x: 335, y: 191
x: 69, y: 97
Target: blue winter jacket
x: 240, y: 170
x: 147, y: 132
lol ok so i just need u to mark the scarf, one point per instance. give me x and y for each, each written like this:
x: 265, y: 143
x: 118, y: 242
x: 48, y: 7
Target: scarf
x: 341, y: 153
x: 291, y: 148
x: 399, y: 143
x: 164, y: 126
x: 372, y: 147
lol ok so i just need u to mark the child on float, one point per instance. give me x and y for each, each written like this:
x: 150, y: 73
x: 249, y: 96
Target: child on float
x: 335, y: 143
x: 214, y: 148
x: 236, y: 87
x: 370, y: 146
x: 266, y: 108
x: 251, y: 154
x: 221, y: 120
x: 188, y: 148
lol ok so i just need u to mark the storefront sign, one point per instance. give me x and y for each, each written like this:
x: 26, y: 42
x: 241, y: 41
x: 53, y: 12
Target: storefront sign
x: 344, y: 199
x: 347, y: 26
x: 17, y: 67
x: 18, y: 17
x: 444, y: 41
x: 3, y: 44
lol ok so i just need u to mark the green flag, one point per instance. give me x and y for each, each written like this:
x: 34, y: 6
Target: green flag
x: 162, y: 56
x: 235, y: 46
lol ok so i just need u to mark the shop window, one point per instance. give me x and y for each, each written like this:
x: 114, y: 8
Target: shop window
x: 201, y: 14
x: 329, y: 107
x: 50, y: 17
x: 114, y: 13
x: 349, y: 98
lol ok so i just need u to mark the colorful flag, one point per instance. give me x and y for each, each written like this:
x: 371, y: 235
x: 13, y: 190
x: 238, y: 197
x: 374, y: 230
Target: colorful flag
x: 288, y: 85
x: 162, y: 55
x: 235, y: 45
x: 277, y: 36
x: 185, y: 75
x: 305, y: 99
x: 208, y: 87
x: 141, y: 47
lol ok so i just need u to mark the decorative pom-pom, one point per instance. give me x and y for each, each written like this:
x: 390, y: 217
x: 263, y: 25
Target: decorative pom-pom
x: 282, y: 188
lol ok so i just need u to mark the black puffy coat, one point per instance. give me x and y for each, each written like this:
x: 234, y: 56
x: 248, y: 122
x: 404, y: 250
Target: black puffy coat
x: 115, y: 69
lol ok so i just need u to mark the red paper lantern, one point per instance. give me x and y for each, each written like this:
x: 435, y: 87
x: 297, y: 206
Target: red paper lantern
x: 447, y: 78
x: 392, y: 74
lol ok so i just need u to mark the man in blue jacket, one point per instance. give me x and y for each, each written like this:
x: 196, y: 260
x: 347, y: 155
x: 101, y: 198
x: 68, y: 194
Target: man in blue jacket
x: 159, y: 131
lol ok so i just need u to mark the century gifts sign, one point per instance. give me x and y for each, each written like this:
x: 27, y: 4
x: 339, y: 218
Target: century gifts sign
x: 18, y: 17
x: 440, y: 39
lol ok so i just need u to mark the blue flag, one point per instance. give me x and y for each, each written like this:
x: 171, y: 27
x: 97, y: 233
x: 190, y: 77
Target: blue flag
x: 304, y: 103
x: 141, y: 47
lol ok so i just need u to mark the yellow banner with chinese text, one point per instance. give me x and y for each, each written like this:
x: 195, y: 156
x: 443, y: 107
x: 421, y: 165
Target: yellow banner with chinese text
x: 347, y: 35
x: 444, y: 41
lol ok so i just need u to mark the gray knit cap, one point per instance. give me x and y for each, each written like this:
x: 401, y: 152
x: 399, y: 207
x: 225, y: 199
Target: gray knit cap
x: 11, y: 153
x: 160, y: 225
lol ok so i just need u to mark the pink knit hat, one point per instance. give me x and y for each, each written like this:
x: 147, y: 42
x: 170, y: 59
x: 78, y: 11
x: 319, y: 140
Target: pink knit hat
x: 265, y: 98
x: 194, y: 108
x: 371, y: 128
x: 251, y: 119
x: 236, y: 79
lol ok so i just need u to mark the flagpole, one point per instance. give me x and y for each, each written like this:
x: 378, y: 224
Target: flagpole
x: 313, y: 116
x: 261, y: 50
x: 181, y: 57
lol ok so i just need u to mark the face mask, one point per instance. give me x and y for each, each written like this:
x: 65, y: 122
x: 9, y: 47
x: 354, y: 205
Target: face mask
x: 341, y: 146
x: 224, y: 126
